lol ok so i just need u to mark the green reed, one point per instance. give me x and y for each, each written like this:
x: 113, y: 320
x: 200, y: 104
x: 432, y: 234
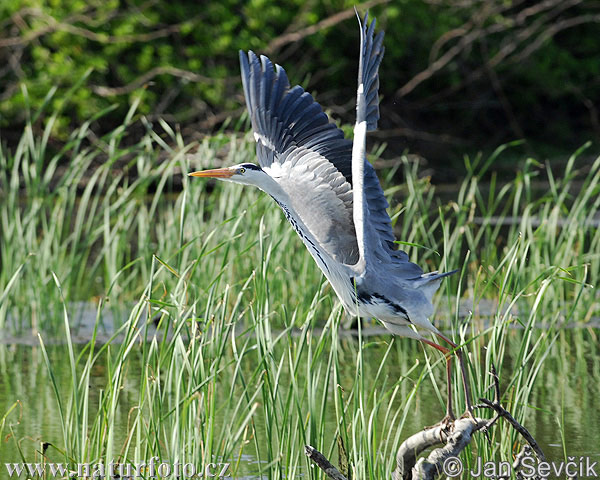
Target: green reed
x: 234, y: 345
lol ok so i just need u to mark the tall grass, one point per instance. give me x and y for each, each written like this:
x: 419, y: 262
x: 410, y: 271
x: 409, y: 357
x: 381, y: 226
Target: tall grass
x: 97, y: 226
x: 93, y: 214
x: 203, y: 390
x: 232, y: 347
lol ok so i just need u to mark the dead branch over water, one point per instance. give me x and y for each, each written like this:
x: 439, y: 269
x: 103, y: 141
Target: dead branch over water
x: 451, y: 438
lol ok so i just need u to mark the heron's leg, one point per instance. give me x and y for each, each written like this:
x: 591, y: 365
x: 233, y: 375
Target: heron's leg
x: 463, y: 372
x: 449, y: 413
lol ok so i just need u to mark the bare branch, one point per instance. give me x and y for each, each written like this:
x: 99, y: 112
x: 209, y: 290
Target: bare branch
x: 68, y: 26
x: 411, y: 448
x: 502, y: 412
x: 319, y: 459
x: 432, y: 466
x: 291, y: 37
x: 438, y: 64
x: 149, y: 75
x: 454, y: 436
x: 553, y: 30
x: 518, y: 28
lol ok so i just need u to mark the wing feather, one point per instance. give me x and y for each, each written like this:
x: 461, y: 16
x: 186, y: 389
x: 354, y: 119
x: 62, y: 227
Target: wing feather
x: 372, y: 51
x: 378, y: 237
x: 295, y: 137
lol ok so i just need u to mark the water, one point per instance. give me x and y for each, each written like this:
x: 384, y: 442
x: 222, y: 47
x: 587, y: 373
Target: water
x: 563, y: 416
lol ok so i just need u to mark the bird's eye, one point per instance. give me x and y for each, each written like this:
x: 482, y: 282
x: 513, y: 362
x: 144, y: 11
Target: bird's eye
x: 241, y: 170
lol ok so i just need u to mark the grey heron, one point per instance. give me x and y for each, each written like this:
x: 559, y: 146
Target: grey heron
x: 330, y: 194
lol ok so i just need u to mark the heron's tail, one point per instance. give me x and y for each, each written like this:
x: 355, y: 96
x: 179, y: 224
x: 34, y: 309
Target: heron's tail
x: 428, y: 283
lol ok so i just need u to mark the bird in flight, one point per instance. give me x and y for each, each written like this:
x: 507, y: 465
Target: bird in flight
x: 330, y: 194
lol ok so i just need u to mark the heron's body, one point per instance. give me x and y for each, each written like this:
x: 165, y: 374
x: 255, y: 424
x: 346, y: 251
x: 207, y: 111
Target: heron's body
x: 396, y: 292
x: 330, y: 193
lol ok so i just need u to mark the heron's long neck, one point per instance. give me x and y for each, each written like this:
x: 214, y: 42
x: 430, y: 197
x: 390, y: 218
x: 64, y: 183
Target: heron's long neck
x: 358, y: 192
x: 270, y: 186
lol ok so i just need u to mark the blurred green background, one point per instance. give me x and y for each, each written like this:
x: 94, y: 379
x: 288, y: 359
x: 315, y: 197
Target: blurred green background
x: 458, y: 75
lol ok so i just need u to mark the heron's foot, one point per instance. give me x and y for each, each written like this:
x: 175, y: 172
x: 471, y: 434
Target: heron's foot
x: 446, y: 423
x: 469, y: 414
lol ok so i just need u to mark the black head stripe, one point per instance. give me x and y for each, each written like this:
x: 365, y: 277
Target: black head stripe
x: 251, y: 166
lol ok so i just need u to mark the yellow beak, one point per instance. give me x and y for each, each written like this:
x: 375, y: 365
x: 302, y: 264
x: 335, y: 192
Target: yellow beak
x: 216, y: 173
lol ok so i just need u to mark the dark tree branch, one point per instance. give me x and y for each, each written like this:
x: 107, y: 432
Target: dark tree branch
x: 292, y: 37
x: 523, y: 32
x: 149, y: 75
x: 68, y: 25
x: 323, y: 463
x: 501, y: 412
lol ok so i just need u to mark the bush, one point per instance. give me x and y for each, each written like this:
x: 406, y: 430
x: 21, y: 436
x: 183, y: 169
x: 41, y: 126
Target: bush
x: 489, y: 71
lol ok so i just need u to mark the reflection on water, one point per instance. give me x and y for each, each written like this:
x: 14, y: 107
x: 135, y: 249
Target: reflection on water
x: 563, y: 401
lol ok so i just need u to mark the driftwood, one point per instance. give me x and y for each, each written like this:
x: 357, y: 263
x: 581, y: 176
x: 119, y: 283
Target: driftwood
x: 319, y: 459
x: 453, y: 436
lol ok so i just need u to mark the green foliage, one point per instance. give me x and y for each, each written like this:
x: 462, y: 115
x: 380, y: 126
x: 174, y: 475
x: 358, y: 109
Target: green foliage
x: 184, y: 55
x: 121, y: 42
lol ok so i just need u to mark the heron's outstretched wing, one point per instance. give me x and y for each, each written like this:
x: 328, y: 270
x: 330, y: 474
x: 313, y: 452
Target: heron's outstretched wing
x: 284, y: 118
x: 371, y: 54
x: 374, y: 232
x: 295, y: 137
x: 299, y: 148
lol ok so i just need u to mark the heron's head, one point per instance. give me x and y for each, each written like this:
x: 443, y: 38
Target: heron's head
x: 245, y: 173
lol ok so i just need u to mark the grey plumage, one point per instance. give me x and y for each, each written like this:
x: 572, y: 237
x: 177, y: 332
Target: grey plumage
x: 371, y: 49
